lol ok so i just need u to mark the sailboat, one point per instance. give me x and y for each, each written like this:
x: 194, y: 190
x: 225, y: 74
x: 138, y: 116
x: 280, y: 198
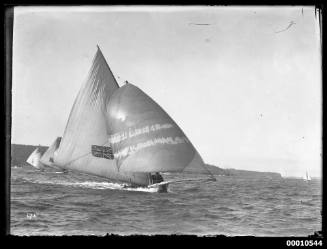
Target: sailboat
x: 121, y: 134
x: 307, y: 177
x: 47, y: 158
x: 34, y: 159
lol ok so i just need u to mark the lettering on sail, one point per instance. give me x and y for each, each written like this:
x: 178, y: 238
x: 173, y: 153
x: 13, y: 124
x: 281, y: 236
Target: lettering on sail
x: 134, y: 148
x: 116, y: 138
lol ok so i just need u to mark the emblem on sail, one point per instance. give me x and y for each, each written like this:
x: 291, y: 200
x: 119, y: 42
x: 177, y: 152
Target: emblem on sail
x: 102, y: 152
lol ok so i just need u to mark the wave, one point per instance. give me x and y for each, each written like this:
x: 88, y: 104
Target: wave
x: 192, y: 190
x: 307, y: 203
x: 227, y: 209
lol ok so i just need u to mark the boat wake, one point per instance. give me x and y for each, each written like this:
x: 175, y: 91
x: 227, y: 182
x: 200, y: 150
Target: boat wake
x: 93, y: 185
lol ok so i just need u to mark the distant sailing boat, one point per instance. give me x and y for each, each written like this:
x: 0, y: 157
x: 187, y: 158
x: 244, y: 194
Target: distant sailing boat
x: 47, y: 157
x: 121, y: 134
x: 34, y: 159
x: 307, y: 177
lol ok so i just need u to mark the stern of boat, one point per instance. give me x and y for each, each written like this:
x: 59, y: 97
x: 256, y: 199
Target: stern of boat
x: 163, y: 188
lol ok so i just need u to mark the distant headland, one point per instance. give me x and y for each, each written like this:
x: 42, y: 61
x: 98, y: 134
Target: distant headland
x: 20, y: 152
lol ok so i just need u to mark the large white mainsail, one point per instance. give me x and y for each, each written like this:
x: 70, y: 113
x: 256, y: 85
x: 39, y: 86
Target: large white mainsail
x: 87, y: 127
x: 34, y: 159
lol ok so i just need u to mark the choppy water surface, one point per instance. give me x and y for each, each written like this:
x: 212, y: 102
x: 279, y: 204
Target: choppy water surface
x: 49, y: 203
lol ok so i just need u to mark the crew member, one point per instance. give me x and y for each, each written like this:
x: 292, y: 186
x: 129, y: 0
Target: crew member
x: 156, y: 178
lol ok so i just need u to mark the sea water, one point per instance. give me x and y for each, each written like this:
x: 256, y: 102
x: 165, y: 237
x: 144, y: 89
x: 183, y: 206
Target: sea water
x: 55, y: 203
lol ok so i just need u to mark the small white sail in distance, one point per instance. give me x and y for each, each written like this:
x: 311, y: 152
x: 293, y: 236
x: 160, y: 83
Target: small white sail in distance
x: 34, y: 159
x: 307, y: 177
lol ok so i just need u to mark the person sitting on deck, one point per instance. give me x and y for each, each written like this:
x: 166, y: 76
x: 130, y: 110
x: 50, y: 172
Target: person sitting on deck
x: 156, y: 178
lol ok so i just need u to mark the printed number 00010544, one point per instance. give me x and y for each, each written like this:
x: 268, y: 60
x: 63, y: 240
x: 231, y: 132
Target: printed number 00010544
x: 304, y: 242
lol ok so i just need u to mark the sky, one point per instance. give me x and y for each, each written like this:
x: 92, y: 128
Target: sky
x: 243, y: 83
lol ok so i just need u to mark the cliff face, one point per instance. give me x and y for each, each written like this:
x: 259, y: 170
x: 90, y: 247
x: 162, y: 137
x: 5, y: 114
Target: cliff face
x: 252, y: 174
x: 20, y: 153
x: 242, y: 173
